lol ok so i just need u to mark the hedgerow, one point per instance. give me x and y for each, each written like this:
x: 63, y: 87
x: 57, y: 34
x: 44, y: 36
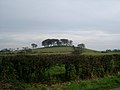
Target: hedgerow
x: 33, y: 68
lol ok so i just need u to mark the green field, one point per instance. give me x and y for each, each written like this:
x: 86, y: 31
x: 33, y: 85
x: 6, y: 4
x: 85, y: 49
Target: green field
x: 60, y: 50
x: 68, y: 50
x: 53, y: 50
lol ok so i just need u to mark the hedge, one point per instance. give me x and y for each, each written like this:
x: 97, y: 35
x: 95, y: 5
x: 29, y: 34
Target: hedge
x: 32, y: 68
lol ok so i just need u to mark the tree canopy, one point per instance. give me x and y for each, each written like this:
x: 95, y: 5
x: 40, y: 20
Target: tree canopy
x: 56, y: 42
x: 34, y: 45
x: 81, y: 45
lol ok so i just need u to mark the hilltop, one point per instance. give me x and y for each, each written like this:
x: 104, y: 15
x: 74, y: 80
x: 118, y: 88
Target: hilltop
x: 68, y: 50
x: 60, y: 50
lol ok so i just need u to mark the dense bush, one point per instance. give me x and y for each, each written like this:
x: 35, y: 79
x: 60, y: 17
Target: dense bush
x: 34, y: 68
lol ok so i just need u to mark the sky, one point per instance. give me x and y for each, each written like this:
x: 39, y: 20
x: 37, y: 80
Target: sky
x: 96, y: 23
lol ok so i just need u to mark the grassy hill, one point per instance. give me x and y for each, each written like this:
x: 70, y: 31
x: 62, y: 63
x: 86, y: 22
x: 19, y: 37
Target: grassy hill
x: 61, y: 50
x: 68, y: 50
x: 54, y: 50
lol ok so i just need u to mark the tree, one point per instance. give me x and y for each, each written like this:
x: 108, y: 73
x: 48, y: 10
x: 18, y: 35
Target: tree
x: 34, y: 45
x: 64, y: 42
x: 108, y: 50
x: 5, y: 50
x: 70, y: 43
x: 56, y: 42
x: 46, y: 43
x: 81, y: 45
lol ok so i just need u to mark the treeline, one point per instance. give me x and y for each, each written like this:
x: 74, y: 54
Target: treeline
x: 109, y: 50
x: 34, y: 68
x: 56, y: 42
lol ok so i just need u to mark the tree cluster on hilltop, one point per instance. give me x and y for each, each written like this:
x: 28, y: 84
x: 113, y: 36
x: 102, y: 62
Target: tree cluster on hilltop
x: 56, y: 42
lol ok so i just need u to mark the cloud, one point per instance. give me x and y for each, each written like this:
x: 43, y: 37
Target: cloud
x: 55, y: 14
x: 92, y: 39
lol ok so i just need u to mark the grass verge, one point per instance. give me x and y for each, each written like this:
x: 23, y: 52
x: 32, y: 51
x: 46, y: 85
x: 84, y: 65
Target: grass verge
x: 106, y: 83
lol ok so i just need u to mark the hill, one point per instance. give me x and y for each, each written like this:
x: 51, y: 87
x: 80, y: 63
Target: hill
x: 53, y: 50
x: 61, y: 50
x: 58, y: 50
x: 68, y: 50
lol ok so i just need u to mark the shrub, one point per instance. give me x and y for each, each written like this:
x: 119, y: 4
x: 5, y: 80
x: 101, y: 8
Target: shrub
x: 33, y: 68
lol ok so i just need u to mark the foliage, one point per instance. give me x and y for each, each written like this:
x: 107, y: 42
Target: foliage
x: 56, y: 42
x: 34, y: 45
x: 78, y: 50
x: 37, y: 68
x: 81, y: 45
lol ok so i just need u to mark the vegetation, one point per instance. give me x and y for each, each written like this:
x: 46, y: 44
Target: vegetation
x: 56, y: 42
x: 57, y: 46
x: 51, y: 69
x: 59, y: 66
x: 81, y: 45
x: 56, y: 50
x: 69, y: 50
x: 34, y: 45
x: 106, y: 83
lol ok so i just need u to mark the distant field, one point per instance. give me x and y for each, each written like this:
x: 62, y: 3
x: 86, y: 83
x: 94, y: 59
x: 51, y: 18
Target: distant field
x: 99, y: 53
x: 67, y: 50
x: 54, y: 50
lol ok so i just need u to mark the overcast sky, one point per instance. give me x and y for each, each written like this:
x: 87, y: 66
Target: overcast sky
x: 96, y: 23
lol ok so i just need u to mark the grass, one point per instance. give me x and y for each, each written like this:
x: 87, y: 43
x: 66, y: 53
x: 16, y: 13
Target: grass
x: 98, y: 84
x: 106, y: 83
x: 99, y: 53
x: 53, y: 50
x: 59, y: 50
x: 63, y: 50
x: 68, y: 50
x: 56, y: 70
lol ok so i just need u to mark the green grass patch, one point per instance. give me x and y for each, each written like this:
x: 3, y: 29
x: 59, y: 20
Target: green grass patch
x: 106, y: 83
x: 53, y: 50
x: 97, y: 84
x: 68, y: 50
x: 58, y: 69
